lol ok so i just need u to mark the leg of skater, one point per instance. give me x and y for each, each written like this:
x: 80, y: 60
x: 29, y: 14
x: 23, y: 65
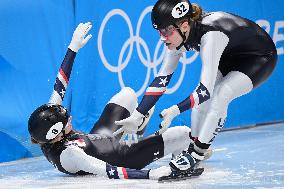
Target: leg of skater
x: 198, y: 113
x: 242, y: 75
x: 119, y: 107
x: 233, y: 85
x: 154, y: 147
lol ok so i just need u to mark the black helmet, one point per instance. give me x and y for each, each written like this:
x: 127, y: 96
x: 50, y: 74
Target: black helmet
x: 168, y: 12
x: 47, y: 121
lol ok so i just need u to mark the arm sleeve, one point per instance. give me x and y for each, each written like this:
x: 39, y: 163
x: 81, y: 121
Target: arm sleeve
x: 62, y: 78
x: 73, y: 159
x: 160, y: 83
x: 213, y: 44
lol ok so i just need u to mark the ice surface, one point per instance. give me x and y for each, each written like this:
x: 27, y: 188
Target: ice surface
x: 251, y: 158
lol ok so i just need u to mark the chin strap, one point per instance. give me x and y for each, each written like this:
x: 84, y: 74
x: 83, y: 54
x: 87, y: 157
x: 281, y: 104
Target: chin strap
x: 63, y: 132
x: 182, y: 34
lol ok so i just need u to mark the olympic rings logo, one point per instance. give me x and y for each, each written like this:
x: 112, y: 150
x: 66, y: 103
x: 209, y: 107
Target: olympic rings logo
x: 150, y: 62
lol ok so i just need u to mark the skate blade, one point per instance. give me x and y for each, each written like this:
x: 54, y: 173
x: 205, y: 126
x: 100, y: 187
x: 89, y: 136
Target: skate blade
x: 191, y: 174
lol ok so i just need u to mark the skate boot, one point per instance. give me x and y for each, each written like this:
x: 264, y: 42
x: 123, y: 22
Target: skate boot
x: 143, y: 126
x: 187, y: 160
x: 207, y: 154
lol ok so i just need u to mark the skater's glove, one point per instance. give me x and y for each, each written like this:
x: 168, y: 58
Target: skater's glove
x: 168, y: 115
x: 79, y: 38
x: 129, y: 127
x: 155, y: 174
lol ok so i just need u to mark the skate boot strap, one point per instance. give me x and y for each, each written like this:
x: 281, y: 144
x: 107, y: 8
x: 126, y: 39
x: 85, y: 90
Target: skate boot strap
x: 184, y: 162
x: 197, y: 156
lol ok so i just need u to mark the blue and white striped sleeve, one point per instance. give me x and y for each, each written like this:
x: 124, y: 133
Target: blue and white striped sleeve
x: 159, y: 85
x: 62, y: 78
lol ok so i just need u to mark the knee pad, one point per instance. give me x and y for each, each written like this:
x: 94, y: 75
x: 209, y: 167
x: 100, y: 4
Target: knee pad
x: 176, y: 139
x: 222, y: 96
x: 126, y: 98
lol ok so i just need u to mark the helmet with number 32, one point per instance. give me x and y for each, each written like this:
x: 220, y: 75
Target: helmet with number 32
x: 169, y: 12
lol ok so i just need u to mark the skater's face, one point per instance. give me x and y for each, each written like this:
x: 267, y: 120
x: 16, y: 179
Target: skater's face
x: 171, y: 37
x: 67, y: 130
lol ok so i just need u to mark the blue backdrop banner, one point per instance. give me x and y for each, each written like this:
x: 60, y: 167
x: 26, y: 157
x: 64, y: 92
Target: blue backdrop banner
x: 125, y: 51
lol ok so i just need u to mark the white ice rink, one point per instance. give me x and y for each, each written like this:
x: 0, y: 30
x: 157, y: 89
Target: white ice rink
x: 251, y: 158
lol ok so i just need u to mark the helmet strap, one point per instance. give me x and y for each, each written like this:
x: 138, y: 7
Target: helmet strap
x: 63, y: 132
x: 182, y: 34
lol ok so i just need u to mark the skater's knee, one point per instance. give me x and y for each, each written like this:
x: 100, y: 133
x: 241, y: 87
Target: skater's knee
x: 223, y: 94
x: 176, y: 139
x: 178, y: 131
x: 126, y: 98
x: 129, y: 91
x: 222, y: 91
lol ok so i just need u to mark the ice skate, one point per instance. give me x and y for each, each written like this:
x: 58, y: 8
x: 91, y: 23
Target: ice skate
x: 187, y: 160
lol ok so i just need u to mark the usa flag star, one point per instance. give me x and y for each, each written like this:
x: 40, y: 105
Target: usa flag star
x: 203, y: 93
x: 111, y: 172
x: 62, y: 92
x: 163, y: 81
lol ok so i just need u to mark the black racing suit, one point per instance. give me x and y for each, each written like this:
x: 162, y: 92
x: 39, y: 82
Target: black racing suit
x: 106, y: 147
x: 250, y: 49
